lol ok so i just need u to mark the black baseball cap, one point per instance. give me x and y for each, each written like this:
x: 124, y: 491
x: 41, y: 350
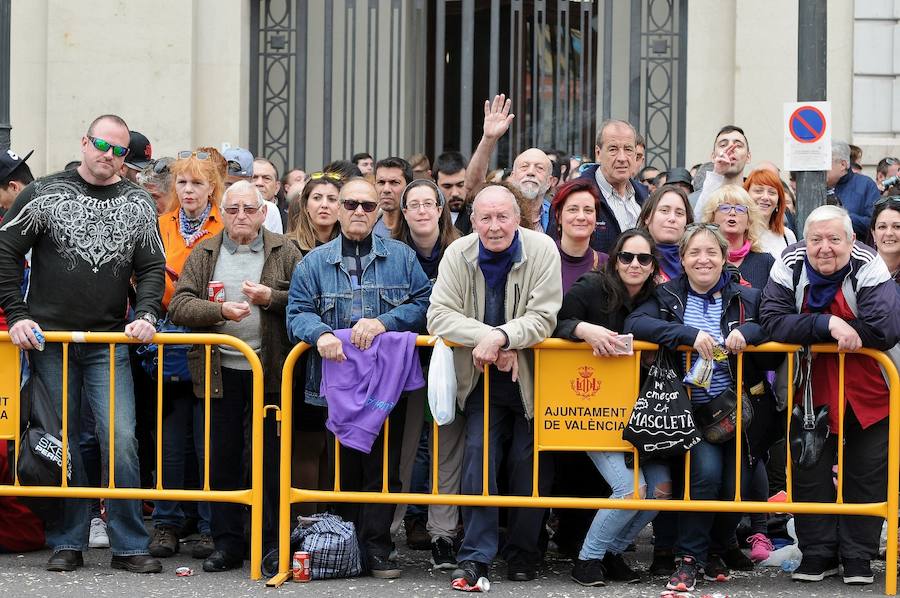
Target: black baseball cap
x: 10, y: 160
x: 140, y: 152
x: 680, y: 175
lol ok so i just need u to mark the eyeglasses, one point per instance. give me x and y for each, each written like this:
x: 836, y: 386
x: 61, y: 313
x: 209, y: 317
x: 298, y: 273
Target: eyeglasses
x: 102, y: 145
x: 334, y: 176
x: 415, y: 206
x: 351, y: 204
x: 248, y: 210
x: 888, y: 199
x: 727, y: 207
x: 626, y: 257
x: 647, y: 180
x: 188, y: 153
x: 161, y: 165
x: 701, y: 226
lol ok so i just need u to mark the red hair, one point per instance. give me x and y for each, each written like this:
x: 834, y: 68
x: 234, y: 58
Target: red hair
x: 770, y: 179
x: 564, y: 191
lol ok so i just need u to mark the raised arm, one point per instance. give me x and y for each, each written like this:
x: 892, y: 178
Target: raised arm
x: 496, y: 123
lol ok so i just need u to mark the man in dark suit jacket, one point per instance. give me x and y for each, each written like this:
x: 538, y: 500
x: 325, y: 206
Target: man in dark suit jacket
x: 621, y: 196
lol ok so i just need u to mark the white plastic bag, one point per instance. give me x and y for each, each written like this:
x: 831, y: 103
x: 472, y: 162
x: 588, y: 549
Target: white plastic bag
x: 442, y: 384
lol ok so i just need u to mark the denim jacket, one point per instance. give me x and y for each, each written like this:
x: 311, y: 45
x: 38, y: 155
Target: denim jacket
x: 395, y: 291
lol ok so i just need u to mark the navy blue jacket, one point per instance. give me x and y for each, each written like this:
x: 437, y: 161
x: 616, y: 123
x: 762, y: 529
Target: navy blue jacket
x: 756, y: 267
x: 661, y: 320
x: 607, y: 230
x: 858, y: 194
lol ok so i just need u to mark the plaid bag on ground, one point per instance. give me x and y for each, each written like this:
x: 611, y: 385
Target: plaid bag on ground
x: 331, y: 544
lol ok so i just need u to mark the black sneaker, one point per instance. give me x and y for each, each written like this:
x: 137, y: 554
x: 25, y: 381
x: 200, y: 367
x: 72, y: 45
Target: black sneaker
x: 517, y: 570
x: 589, y: 573
x: 736, y: 560
x: 617, y: 569
x: 857, y: 572
x: 815, y: 568
x: 383, y: 568
x: 470, y: 572
x: 684, y: 578
x: 442, y: 556
x: 663, y: 563
x: 716, y: 569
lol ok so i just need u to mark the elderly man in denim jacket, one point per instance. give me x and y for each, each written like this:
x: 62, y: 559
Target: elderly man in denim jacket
x: 371, y: 285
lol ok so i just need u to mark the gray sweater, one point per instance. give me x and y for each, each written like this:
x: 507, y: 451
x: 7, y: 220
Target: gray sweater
x: 236, y: 264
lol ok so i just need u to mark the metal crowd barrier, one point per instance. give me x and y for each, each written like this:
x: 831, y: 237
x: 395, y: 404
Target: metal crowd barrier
x: 9, y: 428
x: 570, y: 380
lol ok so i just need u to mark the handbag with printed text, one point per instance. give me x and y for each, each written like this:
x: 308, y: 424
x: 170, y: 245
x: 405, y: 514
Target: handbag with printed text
x: 662, y: 423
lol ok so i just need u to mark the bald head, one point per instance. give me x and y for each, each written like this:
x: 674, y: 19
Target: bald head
x: 495, y: 217
x: 770, y: 166
x: 531, y: 173
x: 359, y: 208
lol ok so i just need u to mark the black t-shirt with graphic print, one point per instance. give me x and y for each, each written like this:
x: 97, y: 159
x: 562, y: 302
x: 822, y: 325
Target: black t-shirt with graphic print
x: 86, y: 243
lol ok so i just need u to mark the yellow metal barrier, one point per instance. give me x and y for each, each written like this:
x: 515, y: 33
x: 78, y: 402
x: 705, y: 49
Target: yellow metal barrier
x: 570, y: 381
x: 9, y: 428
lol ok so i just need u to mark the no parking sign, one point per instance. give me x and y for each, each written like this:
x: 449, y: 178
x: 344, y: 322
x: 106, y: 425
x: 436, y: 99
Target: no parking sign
x: 807, y: 136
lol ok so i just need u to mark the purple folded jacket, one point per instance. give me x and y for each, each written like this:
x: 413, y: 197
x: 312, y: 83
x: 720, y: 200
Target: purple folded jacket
x: 362, y: 391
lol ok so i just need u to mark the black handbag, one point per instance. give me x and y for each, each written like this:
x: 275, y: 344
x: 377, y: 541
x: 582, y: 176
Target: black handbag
x: 718, y: 418
x: 39, y: 462
x: 662, y: 423
x: 809, y: 427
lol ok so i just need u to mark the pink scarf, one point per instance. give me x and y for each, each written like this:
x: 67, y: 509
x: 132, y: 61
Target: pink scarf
x: 739, y: 254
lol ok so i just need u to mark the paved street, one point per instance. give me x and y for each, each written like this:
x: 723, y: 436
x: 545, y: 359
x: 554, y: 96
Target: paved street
x: 23, y: 575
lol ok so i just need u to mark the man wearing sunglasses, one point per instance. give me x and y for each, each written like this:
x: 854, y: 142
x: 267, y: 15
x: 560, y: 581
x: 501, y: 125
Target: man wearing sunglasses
x: 89, y: 231
x: 254, y: 265
x: 369, y: 284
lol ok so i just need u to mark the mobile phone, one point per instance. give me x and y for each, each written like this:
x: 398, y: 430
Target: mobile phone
x: 627, y: 340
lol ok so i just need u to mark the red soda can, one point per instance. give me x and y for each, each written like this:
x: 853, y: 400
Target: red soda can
x: 216, y: 291
x: 300, y: 566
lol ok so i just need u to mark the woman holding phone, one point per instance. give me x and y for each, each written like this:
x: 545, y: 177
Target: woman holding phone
x: 594, y: 311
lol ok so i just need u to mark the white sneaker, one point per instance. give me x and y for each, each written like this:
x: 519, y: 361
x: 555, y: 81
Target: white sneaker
x: 98, y: 538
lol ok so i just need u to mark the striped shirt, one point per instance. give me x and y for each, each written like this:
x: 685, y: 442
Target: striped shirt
x: 708, y: 322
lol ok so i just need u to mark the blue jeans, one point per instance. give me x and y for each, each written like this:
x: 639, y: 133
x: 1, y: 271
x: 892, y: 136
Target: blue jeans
x: 89, y: 446
x: 712, y: 478
x: 614, y: 529
x: 481, y: 524
x: 89, y: 374
x: 182, y: 432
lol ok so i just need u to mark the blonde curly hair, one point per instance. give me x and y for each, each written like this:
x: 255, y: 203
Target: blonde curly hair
x: 735, y: 194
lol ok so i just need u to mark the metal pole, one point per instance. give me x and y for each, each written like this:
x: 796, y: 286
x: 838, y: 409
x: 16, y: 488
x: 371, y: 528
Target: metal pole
x: 5, y: 127
x: 811, y: 80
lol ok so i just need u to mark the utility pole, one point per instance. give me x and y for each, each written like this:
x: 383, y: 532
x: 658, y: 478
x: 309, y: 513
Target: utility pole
x: 811, y: 87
